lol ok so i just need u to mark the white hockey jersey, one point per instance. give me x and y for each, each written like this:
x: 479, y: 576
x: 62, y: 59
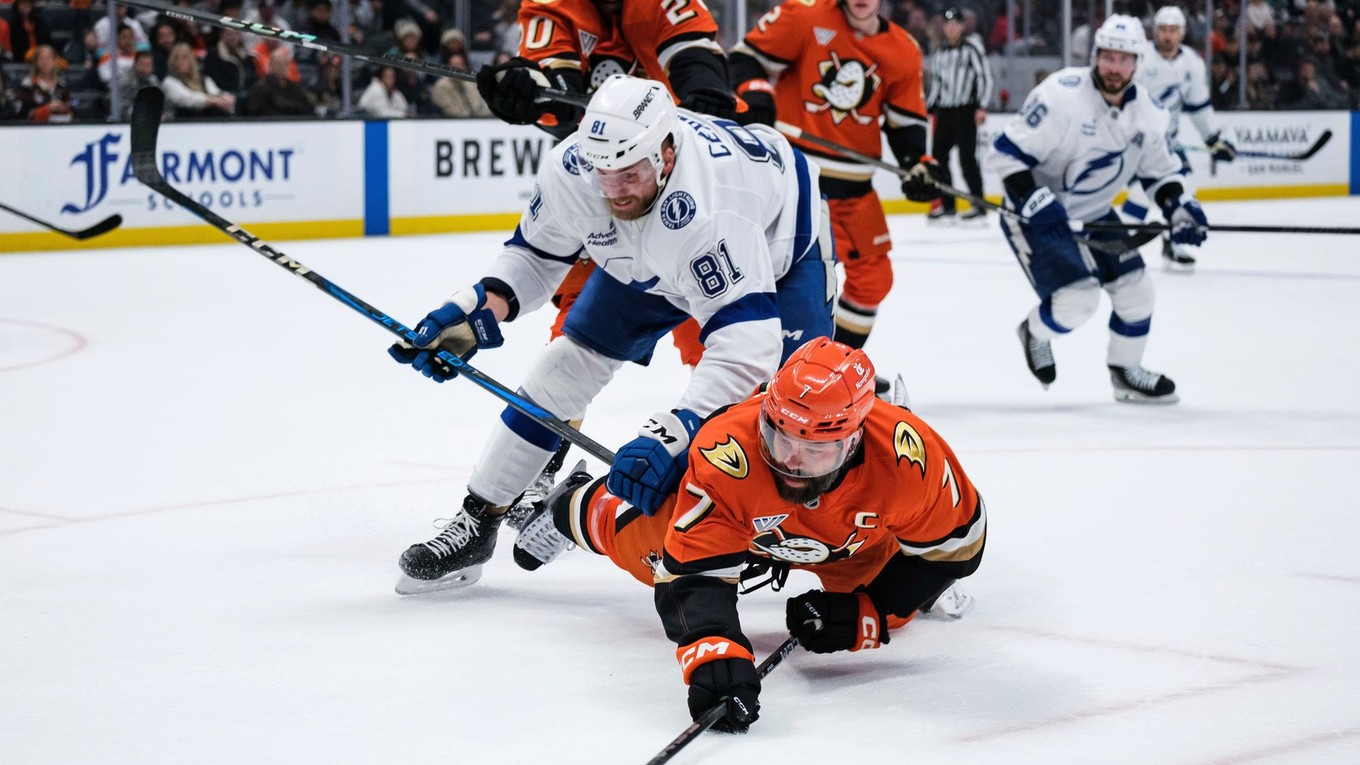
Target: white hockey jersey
x: 740, y: 207
x: 1083, y: 149
x: 1182, y: 85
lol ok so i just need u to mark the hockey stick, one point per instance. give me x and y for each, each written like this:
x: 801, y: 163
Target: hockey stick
x: 102, y: 227
x: 314, y: 43
x: 712, y: 716
x: 146, y: 115
x: 1159, y: 228
x: 1112, y: 247
x: 1299, y: 157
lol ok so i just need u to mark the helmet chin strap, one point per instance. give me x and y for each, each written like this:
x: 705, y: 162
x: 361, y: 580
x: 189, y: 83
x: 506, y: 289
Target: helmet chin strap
x: 659, y: 163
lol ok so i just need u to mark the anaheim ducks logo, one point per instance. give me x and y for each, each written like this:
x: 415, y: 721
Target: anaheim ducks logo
x: 909, y: 446
x: 803, y: 550
x: 728, y: 457
x: 845, y: 88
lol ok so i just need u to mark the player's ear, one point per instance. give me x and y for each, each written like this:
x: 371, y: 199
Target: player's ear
x: 667, y: 155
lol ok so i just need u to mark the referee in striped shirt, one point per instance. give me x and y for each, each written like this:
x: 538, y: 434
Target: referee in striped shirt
x: 960, y: 88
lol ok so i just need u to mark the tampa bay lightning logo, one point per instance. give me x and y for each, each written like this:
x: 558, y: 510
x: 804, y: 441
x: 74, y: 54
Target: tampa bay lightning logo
x: 677, y: 209
x: 571, y: 160
x: 1094, y: 175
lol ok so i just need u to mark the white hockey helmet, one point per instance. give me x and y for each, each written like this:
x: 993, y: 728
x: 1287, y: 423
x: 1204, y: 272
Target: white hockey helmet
x: 627, y: 120
x: 1169, y: 16
x: 1121, y: 33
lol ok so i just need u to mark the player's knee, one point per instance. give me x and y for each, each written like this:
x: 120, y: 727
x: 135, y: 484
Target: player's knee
x: 1073, y: 305
x: 567, y: 376
x: 867, y: 285
x: 1133, y: 296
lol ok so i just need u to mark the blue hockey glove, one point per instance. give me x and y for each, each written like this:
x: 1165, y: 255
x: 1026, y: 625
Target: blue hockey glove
x: 647, y: 468
x: 1221, y: 148
x: 1047, y: 223
x: 460, y: 326
x: 1188, y: 224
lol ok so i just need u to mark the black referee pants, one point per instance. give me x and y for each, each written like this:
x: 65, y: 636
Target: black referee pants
x: 957, y: 126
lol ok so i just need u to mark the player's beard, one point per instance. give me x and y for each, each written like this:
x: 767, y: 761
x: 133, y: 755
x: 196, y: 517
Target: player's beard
x: 636, y: 208
x: 1103, y: 80
x: 803, y: 490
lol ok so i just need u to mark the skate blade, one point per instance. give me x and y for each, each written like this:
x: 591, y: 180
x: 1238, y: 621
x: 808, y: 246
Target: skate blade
x: 1129, y: 397
x: 942, y: 222
x: 974, y: 223
x: 453, y: 581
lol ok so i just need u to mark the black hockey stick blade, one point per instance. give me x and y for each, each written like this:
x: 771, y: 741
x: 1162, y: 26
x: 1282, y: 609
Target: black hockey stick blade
x: 102, y: 227
x: 712, y: 716
x: 146, y: 120
x: 315, y: 43
x: 1157, y: 228
x: 1321, y: 141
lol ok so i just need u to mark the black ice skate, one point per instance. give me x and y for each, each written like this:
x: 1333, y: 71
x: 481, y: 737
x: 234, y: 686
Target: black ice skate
x: 1175, y: 257
x: 1136, y: 385
x: 941, y: 217
x: 455, y: 557
x: 974, y: 218
x: 539, y: 541
x: 1038, y: 355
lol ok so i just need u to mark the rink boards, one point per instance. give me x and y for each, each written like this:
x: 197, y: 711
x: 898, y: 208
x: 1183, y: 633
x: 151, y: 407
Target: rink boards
x: 300, y: 180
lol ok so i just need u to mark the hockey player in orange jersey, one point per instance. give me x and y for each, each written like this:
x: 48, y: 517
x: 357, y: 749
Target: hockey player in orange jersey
x: 839, y: 70
x: 813, y: 472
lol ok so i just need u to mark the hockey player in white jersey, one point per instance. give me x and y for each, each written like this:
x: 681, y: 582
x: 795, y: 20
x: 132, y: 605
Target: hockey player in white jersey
x: 684, y: 215
x: 1079, y: 139
x: 1175, y: 75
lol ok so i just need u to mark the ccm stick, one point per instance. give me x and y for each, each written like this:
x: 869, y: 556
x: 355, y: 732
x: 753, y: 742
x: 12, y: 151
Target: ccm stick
x: 98, y: 229
x: 712, y: 716
x: 146, y: 115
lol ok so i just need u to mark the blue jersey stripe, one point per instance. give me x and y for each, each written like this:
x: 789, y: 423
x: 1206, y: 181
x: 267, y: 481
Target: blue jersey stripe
x: 802, y: 234
x: 1005, y: 145
x: 517, y: 239
x: 757, y: 306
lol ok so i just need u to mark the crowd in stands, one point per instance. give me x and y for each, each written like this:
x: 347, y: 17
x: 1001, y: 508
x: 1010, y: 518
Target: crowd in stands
x: 64, y: 61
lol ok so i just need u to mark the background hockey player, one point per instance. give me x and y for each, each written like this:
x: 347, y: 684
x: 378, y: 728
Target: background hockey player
x: 812, y: 473
x: 686, y: 217
x: 574, y: 45
x: 839, y: 70
x: 1077, y: 141
x: 1175, y: 75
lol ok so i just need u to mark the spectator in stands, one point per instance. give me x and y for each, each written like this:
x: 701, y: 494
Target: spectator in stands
x: 1261, y: 91
x: 121, y: 57
x: 1261, y: 18
x: 412, y: 85
x: 503, y: 36
x: 108, y: 36
x: 260, y: 57
x: 82, y: 55
x: 459, y: 98
x: 1328, y: 59
x: 229, y: 64
x: 451, y: 42
x: 164, y: 35
x: 318, y: 21
x: 1223, y: 84
x: 1311, y: 92
x: 190, y: 93
x: 325, y: 88
x: 367, y: 27
x: 277, y: 96
x: 6, y: 49
x: 141, y: 75
x: 27, y: 30
x: 42, y: 96
x: 382, y: 99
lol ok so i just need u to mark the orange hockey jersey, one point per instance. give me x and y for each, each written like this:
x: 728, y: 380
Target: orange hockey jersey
x: 641, y: 40
x: 837, y: 83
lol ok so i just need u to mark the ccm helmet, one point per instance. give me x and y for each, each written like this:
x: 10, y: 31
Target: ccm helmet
x: 815, y: 408
x: 628, y: 119
x: 1121, y: 33
x: 1169, y: 16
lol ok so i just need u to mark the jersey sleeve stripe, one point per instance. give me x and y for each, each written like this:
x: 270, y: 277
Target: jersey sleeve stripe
x: 903, y: 118
x: 517, y: 240
x: 1195, y: 107
x: 965, y: 537
x: 758, y: 306
x: 1005, y: 145
x: 726, y: 567
x: 746, y: 46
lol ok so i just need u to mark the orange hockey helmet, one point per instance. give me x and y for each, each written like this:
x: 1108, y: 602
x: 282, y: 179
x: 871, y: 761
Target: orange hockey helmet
x: 815, y: 408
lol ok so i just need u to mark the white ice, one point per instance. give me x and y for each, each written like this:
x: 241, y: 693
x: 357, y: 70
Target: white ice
x: 208, y: 470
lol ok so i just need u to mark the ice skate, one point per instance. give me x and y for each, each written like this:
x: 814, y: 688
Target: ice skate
x: 1176, y: 257
x: 952, y: 603
x: 1136, y: 385
x: 974, y: 218
x: 516, y: 516
x: 539, y: 541
x: 894, y: 392
x: 1038, y: 355
x: 941, y: 217
x: 454, y: 558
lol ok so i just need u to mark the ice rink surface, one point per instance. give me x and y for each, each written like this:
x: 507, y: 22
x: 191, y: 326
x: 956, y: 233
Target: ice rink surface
x: 208, y: 470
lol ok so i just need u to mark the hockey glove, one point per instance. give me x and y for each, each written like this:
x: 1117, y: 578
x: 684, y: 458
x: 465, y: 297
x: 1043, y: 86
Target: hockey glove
x: 923, y: 180
x: 826, y: 622
x: 647, y: 468
x: 713, y: 102
x: 759, y: 97
x: 460, y: 326
x: 1188, y: 224
x: 512, y: 90
x: 1220, y: 148
x: 730, y: 681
